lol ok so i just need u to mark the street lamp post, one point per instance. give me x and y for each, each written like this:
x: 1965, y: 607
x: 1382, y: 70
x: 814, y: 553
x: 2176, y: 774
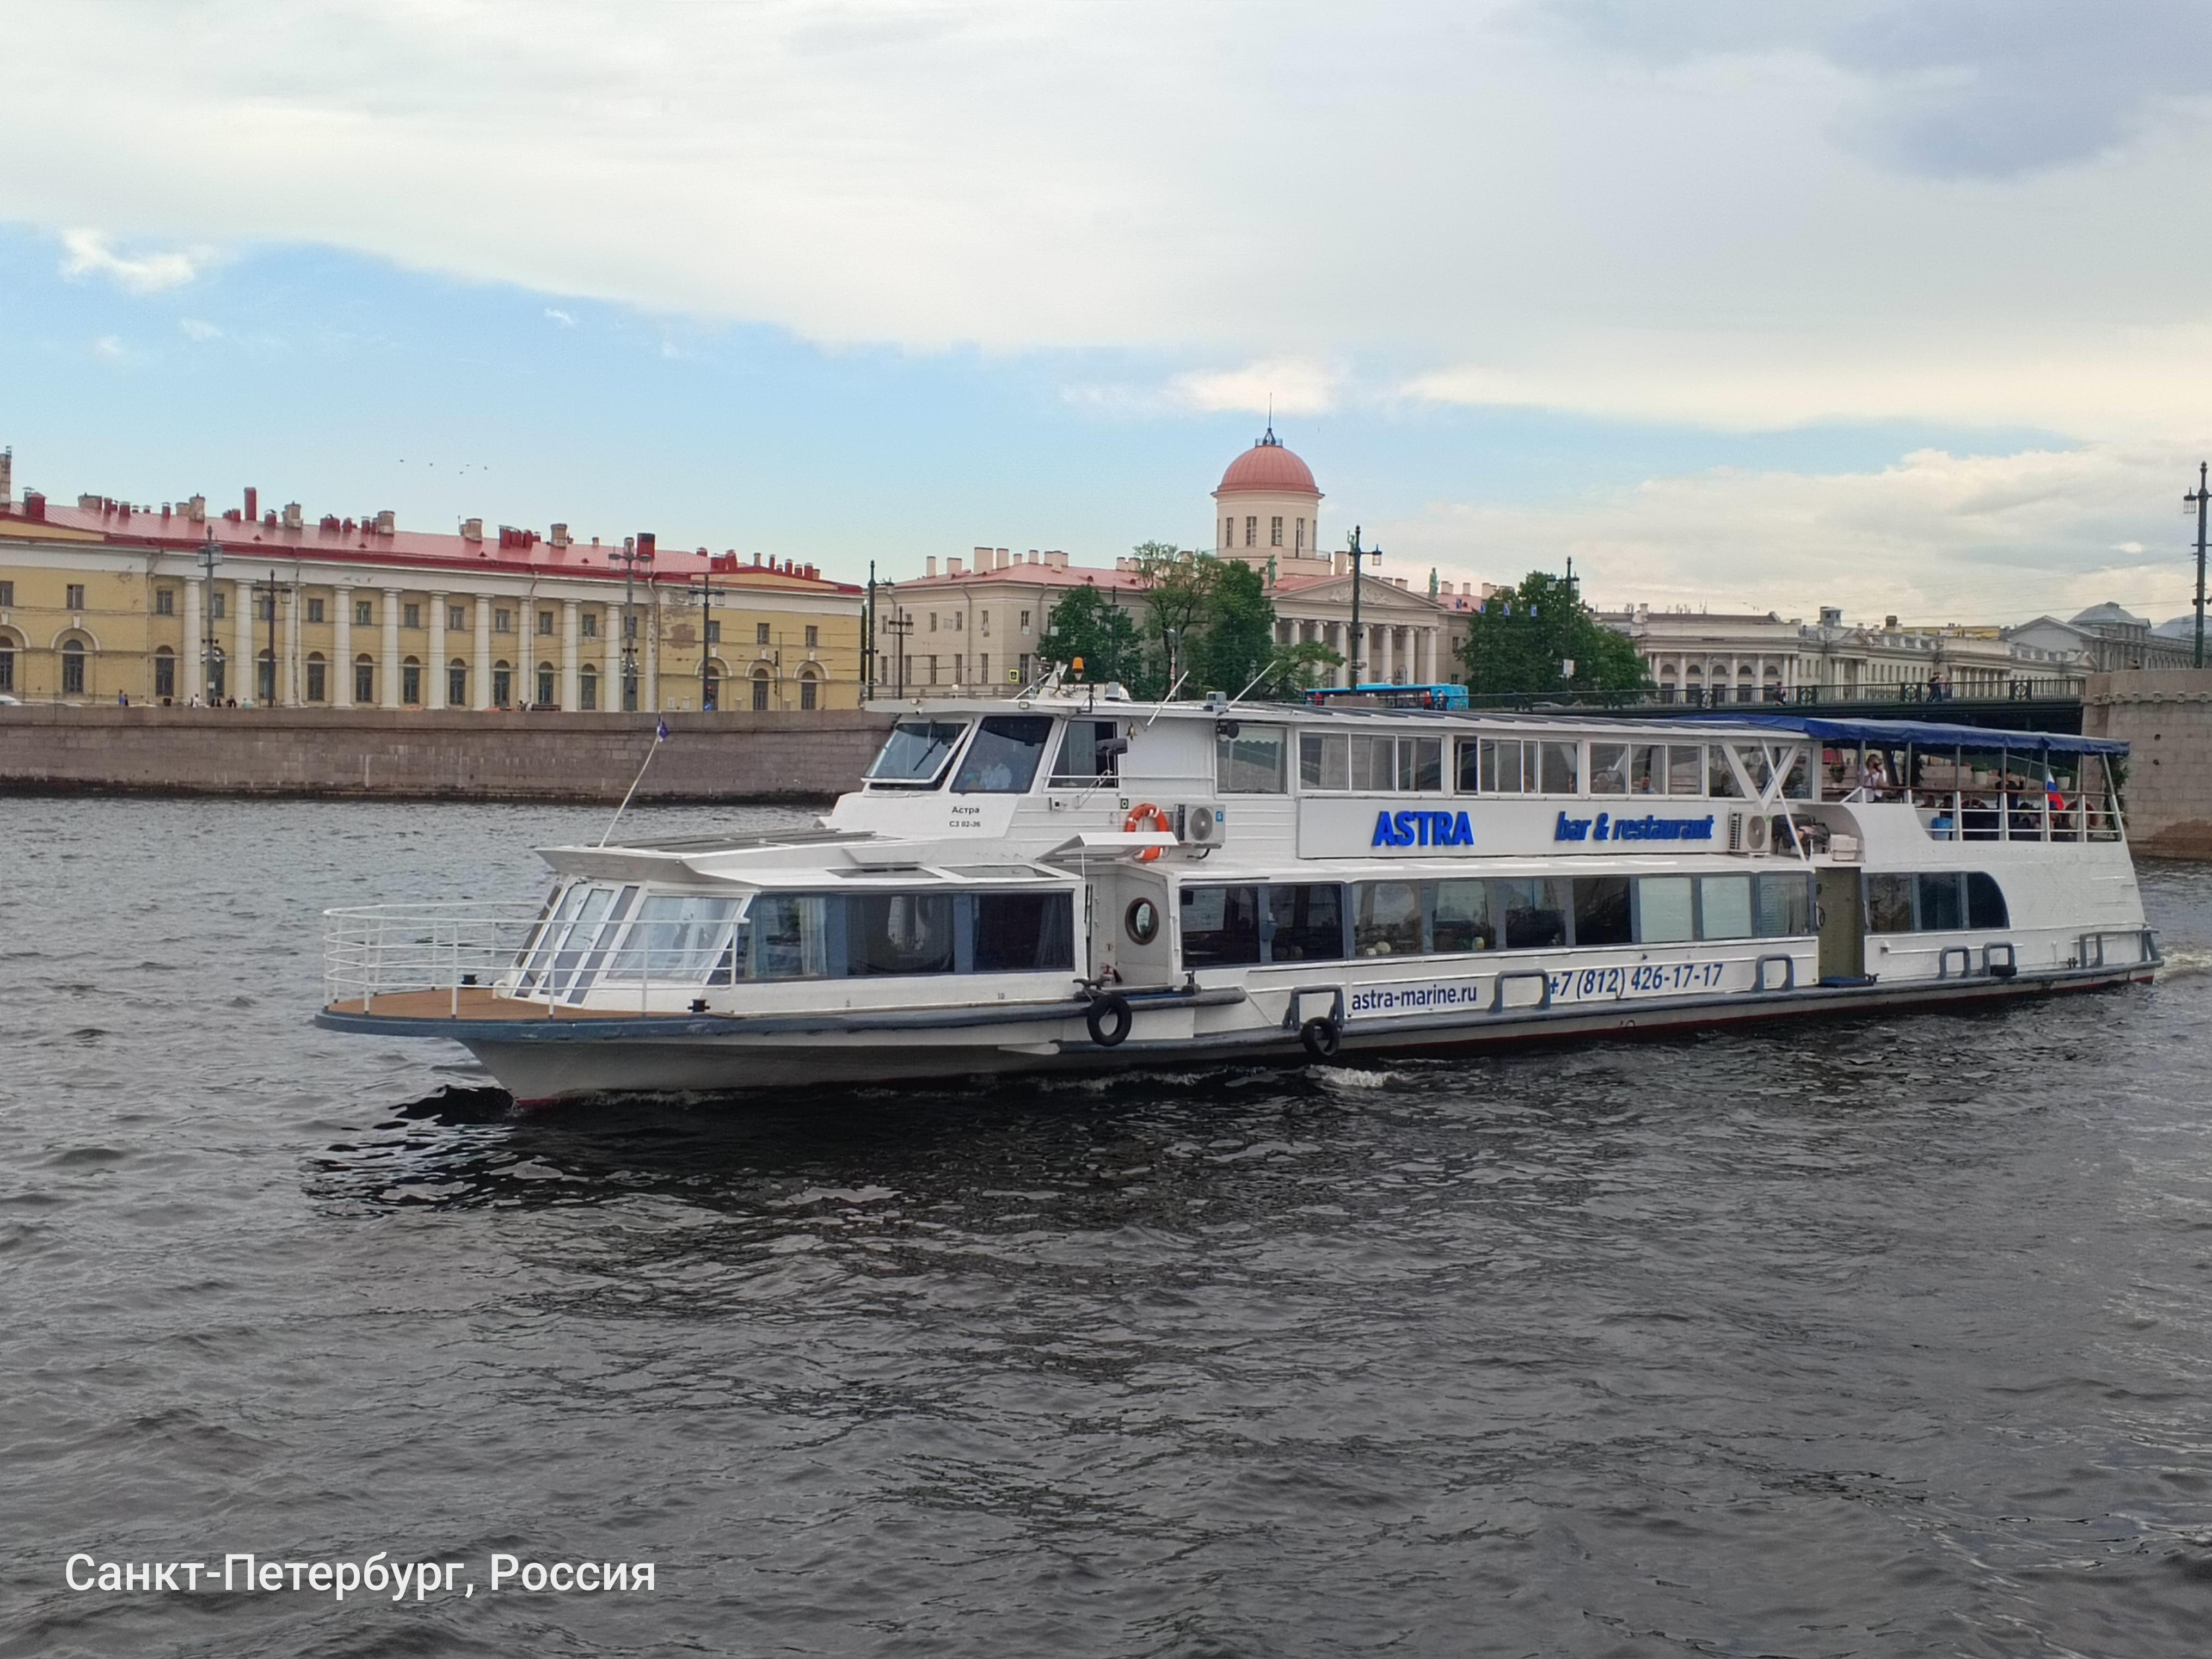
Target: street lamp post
x: 210, y: 556
x: 705, y: 593
x: 634, y: 551
x: 2197, y: 498
x: 1357, y: 641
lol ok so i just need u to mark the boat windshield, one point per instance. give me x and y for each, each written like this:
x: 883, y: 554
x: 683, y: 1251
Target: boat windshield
x: 1002, y: 759
x: 917, y: 752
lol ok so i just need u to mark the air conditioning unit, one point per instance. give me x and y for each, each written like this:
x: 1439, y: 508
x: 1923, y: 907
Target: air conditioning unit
x: 1202, y: 826
x: 1756, y: 832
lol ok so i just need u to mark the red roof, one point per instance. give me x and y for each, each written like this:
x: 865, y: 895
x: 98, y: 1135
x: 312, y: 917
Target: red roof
x: 522, y: 551
x: 1268, y: 466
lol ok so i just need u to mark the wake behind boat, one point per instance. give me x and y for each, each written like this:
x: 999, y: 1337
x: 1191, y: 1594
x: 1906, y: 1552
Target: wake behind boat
x: 1070, y: 881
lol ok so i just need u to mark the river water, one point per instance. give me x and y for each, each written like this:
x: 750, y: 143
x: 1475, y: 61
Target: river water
x: 1883, y: 1337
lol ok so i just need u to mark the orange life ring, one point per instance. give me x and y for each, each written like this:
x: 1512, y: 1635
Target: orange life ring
x: 1160, y: 821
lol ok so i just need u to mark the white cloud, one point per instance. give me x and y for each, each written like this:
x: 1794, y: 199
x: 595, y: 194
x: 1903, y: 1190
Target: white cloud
x: 194, y: 328
x: 109, y: 348
x: 565, y: 319
x: 89, y: 254
x: 1289, y: 385
x: 1936, y: 537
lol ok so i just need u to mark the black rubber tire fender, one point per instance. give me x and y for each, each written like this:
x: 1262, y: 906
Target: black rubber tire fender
x: 1322, y: 1038
x: 1110, y: 1017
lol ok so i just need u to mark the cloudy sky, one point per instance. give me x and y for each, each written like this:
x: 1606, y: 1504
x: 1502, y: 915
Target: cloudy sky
x: 1905, y: 306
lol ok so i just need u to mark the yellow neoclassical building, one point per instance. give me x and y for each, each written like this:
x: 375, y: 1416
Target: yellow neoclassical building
x: 105, y: 600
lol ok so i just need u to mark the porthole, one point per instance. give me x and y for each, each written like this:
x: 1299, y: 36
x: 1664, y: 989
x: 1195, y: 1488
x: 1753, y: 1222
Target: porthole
x: 1142, y: 919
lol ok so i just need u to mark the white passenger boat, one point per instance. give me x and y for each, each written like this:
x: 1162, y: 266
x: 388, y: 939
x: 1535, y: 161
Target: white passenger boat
x: 1074, y: 881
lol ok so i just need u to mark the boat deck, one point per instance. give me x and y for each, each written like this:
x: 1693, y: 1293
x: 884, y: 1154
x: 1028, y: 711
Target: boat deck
x: 471, y: 1002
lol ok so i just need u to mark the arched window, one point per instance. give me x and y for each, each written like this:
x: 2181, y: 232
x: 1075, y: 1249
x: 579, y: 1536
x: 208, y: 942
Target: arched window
x: 456, y: 684
x: 164, y: 673
x: 9, y: 645
x: 809, y: 683
x: 72, y: 668
x: 549, y: 693
x: 264, y: 678
x: 587, y: 688
x: 502, y: 684
x: 319, y: 677
x: 760, y: 690
x: 364, y: 679
x: 710, y: 686
x: 410, y: 682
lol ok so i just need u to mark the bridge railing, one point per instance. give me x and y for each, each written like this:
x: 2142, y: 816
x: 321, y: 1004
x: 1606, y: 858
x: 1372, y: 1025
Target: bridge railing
x: 2054, y: 689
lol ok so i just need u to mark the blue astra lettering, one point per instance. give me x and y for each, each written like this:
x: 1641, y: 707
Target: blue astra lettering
x: 1405, y: 837
x: 1383, y: 837
x: 1462, y: 831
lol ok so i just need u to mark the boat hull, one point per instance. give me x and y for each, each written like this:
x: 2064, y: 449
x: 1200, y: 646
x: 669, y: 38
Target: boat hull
x: 551, y: 1062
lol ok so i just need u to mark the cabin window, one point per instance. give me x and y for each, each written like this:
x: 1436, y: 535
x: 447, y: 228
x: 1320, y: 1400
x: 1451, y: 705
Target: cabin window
x: 1943, y: 905
x: 678, y: 938
x: 1720, y: 777
x: 1322, y: 762
x: 1460, y: 916
x: 1685, y: 764
x: 1985, y: 903
x: 1785, y: 906
x: 1561, y: 765
x: 1306, y: 922
x: 1535, y: 908
x: 1252, y: 761
x: 1889, y: 905
x: 1724, y: 906
x: 1608, y: 768
x: 1084, y: 753
x: 1220, y: 927
x: 917, y: 751
x: 898, y: 933
x: 1386, y: 919
x: 1796, y: 775
x: 1601, y: 911
x: 1023, y: 933
x: 1665, y: 913
x: 790, y: 936
x: 1004, y: 757
x: 1421, y: 764
x: 1498, y: 772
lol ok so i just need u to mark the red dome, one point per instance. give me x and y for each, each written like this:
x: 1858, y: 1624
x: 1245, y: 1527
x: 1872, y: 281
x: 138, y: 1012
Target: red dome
x: 1268, y: 466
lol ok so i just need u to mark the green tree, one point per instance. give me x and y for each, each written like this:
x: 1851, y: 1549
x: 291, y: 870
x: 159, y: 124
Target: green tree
x: 1088, y: 626
x: 1176, y: 587
x: 1232, y: 643
x: 1517, y: 640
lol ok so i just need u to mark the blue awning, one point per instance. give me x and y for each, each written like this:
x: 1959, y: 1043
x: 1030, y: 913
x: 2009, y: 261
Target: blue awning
x: 1932, y: 734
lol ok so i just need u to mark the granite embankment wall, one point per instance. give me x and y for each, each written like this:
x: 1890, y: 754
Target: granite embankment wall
x: 734, y: 756
x: 2165, y: 716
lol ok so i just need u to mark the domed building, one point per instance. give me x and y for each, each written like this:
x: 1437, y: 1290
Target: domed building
x: 1267, y: 508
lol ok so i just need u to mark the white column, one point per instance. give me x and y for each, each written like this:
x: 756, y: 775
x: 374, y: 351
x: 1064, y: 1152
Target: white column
x: 433, y: 694
x: 1428, y: 675
x: 289, y: 691
x: 243, y: 681
x: 571, y: 656
x: 388, y: 695
x: 1386, y: 653
x: 195, y: 643
x: 341, y: 686
x: 483, y: 698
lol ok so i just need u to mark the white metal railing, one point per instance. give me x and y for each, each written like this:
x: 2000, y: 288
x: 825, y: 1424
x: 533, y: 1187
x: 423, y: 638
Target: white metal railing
x: 381, y: 950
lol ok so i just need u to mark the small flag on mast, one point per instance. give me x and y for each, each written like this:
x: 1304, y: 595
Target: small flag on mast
x: 660, y: 731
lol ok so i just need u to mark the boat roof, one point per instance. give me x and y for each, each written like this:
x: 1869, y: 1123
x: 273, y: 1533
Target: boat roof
x: 1895, y: 734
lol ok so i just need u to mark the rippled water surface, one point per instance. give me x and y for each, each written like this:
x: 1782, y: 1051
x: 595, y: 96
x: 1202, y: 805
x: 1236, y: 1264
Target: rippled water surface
x: 1885, y: 1337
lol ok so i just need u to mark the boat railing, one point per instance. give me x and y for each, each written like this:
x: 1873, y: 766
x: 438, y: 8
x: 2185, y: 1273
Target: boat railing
x: 1999, y: 814
x: 382, y: 950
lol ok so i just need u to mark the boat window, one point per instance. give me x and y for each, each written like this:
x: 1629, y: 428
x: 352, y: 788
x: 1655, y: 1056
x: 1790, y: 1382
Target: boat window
x: 597, y: 945
x: 1373, y: 765
x: 1985, y: 903
x: 1306, y: 922
x: 1608, y: 768
x: 1942, y: 902
x: 538, y: 955
x: 1664, y: 912
x: 1250, y: 763
x: 1889, y: 905
x: 1004, y: 757
x: 1535, y: 908
x: 1322, y: 761
x: 1785, y: 906
x: 898, y: 933
x: 1647, y: 769
x: 1386, y: 919
x: 678, y: 938
x: 581, y: 934
x: 1719, y: 777
x: 790, y: 936
x: 1023, y: 933
x: 1088, y: 752
x: 1460, y: 912
x: 1686, y: 765
x: 1797, y: 774
x: 1220, y: 926
x: 916, y: 752
x: 1601, y: 916
x: 1758, y: 766
x: 1562, y: 765
x: 1421, y: 764
x: 1724, y: 907
x: 1500, y: 770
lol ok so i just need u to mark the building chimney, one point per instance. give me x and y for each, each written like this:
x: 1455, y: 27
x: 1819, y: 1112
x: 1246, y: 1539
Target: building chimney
x: 386, y: 525
x: 1889, y: 622
x: 1055, y: 559
x: 195, y: 509
x: 952, y: 567
x: 6, y: 477
x: 982, y: 558
x: 929, y: 566
x: 253, y: 504
x: 34, y: 505
x: 472, y: 530
x: 293, y: 517
x: 558, y: 535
